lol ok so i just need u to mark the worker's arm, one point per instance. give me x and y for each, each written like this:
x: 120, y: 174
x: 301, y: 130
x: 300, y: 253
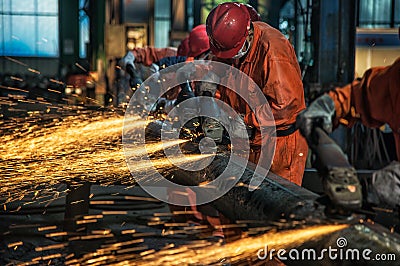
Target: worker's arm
x: 284, y: 91
x: 327, y: 110
x: 149, y: 55
x: 373, y: 99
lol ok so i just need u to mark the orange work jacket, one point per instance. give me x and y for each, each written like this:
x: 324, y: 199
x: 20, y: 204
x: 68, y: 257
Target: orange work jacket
x: 271, y: 62
x: 375, y: 99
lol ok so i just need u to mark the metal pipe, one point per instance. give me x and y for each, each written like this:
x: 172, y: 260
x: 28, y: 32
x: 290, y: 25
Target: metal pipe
x: 276, y: 197
x: 280, y: 202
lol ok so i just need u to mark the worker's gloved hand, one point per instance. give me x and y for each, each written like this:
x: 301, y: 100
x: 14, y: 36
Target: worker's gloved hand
x: 127, y: 63
x: 386, y: 185
x: 186, y: 72
x: 208, y: 85
x: 319, y: 114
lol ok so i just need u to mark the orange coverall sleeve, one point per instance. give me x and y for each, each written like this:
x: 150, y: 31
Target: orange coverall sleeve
x: 149, y: 55
x: 374, y: 99
x: 284, y: 91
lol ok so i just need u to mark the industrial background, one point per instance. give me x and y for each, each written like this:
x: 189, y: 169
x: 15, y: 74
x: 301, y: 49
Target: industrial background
x: 58, y: 70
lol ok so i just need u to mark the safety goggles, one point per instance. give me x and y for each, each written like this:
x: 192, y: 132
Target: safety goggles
x: 245, y: 48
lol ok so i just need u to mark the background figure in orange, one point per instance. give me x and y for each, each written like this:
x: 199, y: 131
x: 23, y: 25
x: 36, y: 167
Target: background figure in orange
x: 375, y: 100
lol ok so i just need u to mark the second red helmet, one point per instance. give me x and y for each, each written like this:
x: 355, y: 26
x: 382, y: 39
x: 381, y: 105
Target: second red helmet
x: 183, y: 48
x: 198, y: 41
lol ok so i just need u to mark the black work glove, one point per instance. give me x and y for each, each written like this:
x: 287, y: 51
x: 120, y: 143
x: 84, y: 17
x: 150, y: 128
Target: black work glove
x: 386, y: 185
x: 319, y: 114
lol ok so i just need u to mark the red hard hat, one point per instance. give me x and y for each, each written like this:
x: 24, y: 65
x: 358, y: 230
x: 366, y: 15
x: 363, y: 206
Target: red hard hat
x: 198, y: 41
x: 227, y: 29
x: 254, y: 16
x: 183, y: 48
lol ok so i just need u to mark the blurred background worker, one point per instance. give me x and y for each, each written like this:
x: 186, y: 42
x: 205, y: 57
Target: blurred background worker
x: 135, y: 67
x: 195, y: 47
x: 375, y: 100
x: 142, y: 63
x: 141, y: 59
x: 266, y: 56
x: 149, y: 55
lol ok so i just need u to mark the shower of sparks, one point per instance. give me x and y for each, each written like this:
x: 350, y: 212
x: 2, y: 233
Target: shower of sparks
x: 47, y: 143
x: 202, y: 252
x: 133, y: 151
x: 16, y: 61
x: 246, y: 247
x: 73, y: 149
x: 78, y: 148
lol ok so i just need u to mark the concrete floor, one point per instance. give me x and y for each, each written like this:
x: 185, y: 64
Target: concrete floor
x: 28, y: 236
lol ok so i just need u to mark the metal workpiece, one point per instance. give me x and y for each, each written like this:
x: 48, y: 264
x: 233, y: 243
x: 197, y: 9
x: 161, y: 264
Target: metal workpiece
x: 125, y: 222
x: 281, y: 205
x: 276, y: 198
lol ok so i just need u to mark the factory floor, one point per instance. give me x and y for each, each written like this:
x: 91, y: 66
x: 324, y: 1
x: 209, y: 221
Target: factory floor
x: 121, y: 224
x: 35, y: 235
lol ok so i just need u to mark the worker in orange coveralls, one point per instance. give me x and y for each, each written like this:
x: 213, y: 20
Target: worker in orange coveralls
x: 139, y: 64
x: 375, y: 100
x: 266, y: 56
